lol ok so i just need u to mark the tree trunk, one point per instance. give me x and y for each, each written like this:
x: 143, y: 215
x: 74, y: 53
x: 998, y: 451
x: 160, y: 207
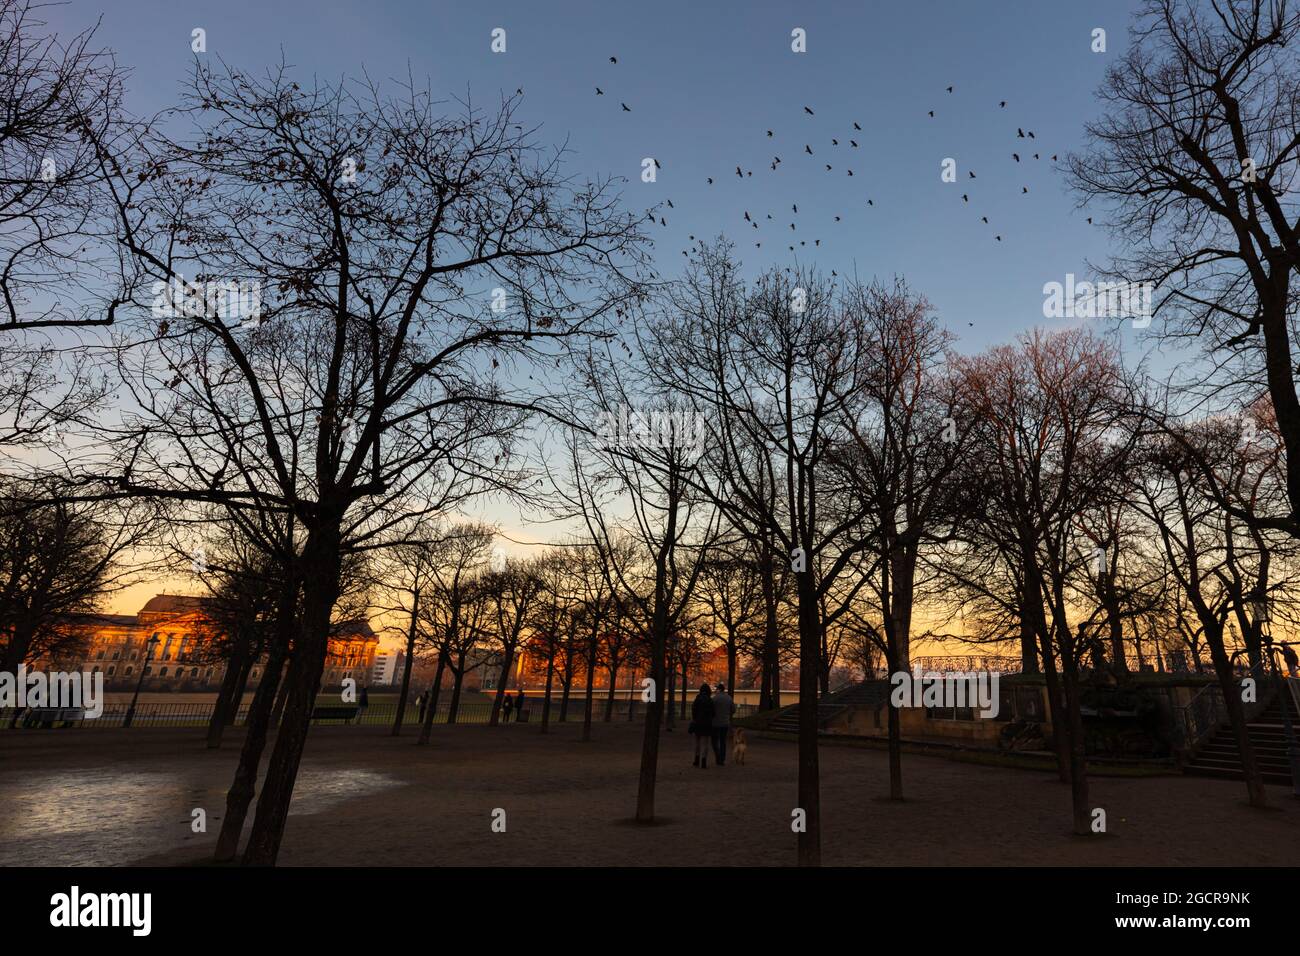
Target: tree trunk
x: 550, y: 683
x: 809, y: 790
x: 504, y: 679
x: 240, y: 795
x: 591, y: 677
x: 321, y: 568
x: 770, y: 692
x: 609, y: 698
x: 435, y: 691
x: 407, y: 664
x: 458, y: 681
x: 1082, y: 812
x: 685, y: 689
x: 645, y: 793
x: 233, y: 681
x: 1236, y: 716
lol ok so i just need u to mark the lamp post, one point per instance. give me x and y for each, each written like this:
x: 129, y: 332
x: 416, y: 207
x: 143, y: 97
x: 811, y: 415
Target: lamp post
x: 150, y: 644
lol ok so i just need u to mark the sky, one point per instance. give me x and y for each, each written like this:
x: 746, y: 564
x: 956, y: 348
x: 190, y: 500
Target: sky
x: 704, y: 82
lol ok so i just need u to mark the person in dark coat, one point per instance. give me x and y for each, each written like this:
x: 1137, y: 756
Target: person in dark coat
x: 702, y: 725
x: 509, y: 705
x: 519, y: 705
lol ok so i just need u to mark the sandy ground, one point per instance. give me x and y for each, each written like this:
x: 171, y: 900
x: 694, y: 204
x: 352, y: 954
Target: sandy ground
x: 364, y: 798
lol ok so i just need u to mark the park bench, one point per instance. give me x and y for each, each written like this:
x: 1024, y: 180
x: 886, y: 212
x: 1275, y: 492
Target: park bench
x: 51, y: 716
x: 334, y: 713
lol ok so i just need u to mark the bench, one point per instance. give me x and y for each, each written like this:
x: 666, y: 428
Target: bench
x: 334, y: 713
x: 48, y: 717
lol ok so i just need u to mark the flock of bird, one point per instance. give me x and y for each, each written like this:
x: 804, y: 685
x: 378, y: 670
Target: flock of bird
x: 837, y: 148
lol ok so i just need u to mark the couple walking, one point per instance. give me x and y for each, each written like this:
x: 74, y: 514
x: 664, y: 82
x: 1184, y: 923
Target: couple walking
x: 711, y: 723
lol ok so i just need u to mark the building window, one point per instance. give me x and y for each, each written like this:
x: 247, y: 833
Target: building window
x: 148, y: 670
x: 111, y: 669
x: 163, y: 672
x: 194, y: 672
x: 129, y: 668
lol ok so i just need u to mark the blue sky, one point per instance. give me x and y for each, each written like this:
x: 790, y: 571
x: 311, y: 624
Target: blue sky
x: 705, y: 81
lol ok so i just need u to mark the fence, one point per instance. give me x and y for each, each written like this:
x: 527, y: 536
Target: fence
x: 472, y: 709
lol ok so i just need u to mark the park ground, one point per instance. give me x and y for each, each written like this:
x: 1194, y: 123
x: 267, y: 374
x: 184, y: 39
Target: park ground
x: 113, y: 797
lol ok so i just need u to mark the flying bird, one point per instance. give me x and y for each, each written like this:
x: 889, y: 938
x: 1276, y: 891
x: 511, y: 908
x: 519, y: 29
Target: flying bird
x: 970, y: 173
x: 1002, y: 105
x: 950, y: 89
x: 965, y: 198
x: 1016, y: 157
x: 613, y: 59
x: 626, y: 108
x: 984, y: 219
x: 599, y: 91
x: 931, y: 114
x: 769, y: 134
x: 1020, y: 132
x: 853, y: 143
x: 857, y: 127
x: 1023, y: 190
x: 739, y: 174
x: 807, y: 149
x: 808, y: 110
x: 834, y: 142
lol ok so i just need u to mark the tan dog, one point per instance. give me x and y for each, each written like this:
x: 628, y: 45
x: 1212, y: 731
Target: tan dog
x: 738, y: 746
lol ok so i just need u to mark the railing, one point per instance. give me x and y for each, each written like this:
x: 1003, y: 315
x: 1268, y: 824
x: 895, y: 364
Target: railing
x: 1206, y: 712
x: 473, y: 709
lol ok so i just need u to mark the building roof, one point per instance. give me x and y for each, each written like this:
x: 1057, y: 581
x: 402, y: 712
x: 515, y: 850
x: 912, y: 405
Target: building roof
x: 360, y: 628
x: 173, y: 604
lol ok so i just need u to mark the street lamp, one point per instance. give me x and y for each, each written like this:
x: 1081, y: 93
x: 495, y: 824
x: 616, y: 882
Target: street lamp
x: 150, y: 644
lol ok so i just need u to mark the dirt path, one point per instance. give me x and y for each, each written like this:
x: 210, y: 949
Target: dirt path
x: 108, y: 797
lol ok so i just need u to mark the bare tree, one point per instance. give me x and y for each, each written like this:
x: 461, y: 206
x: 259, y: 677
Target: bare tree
x: 369, y: 232
x: 1197, y: 159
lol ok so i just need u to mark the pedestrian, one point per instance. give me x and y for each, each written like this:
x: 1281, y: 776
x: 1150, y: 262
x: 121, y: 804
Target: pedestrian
x: 420, y: 701
x: 519, y: 705
x: 362, y: 703
x: 1292, y: 662
x: 702, y: 726
x: 723, y: 708
x: 509, y: 706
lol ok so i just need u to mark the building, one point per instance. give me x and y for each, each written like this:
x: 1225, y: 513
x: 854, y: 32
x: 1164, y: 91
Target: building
x: 184, y: 657
x: 387, y: 669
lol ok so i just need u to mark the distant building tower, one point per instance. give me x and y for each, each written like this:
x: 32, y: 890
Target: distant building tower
x: 388, y: 668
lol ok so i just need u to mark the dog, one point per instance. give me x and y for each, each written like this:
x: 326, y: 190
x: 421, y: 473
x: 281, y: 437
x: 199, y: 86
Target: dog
x: 738, y: 746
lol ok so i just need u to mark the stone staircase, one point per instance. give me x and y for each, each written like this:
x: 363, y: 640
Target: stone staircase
x: 870, y: 693
x: 1219, y: 756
